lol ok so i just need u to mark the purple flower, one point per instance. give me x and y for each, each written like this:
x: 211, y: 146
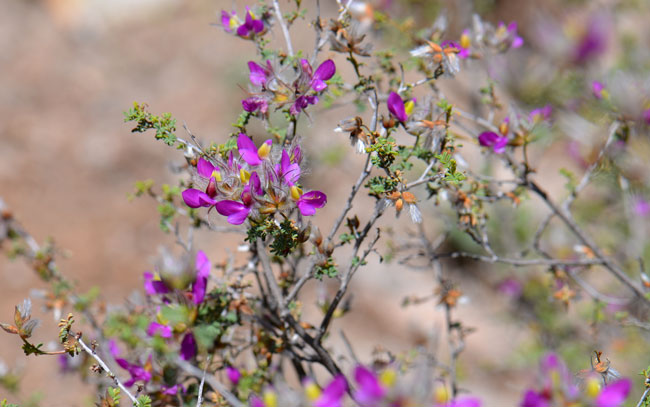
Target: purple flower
x: 510, y: 287
x: 228, y: 20
x: 310, y: 201
x: 249, y: 152
x: 256, y: 402
x: 324, y: 72
x: 369, y: 392
x: 202, y: 265
x: 540, y: 114
x: 534, y: 399
x: 614, y: 394
x: 188, y: 346
x: 256, y: 184
x: 646, y: 116
x: 255, y: 103
x: 163, y: 330
x: 493, y: 140
x: 302, y: 102
x: 236, y: 212
x: 641, y: 207
x: 172, y: 390
x: 517, y: 41
x: 138, y: 373
x: 597, y: 89
x: 196, y: 199
x: 462, y: 402
x: 233, y: 374
x: 594, y: 40
x: 332, y: 395
x: 396, y: 106
x: 258, y: 75
x: 250, y: 26
x: 152, y: 286
x: 288, y: 172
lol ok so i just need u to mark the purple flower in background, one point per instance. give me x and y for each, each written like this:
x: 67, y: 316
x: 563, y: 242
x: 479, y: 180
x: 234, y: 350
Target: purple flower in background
x: 256, y: 402
x: 251, y: 154
x: 462, y: 402
x: 534, y: 399
x: 233, y: 374
x: 172, y: 390
x: 163, y: 330
x: 202, y: 265
x: 597, y: 89
x: 324, y: 72
x: 259, y: 75
x: 540, y: 114
x: 614, y: 394
x: 641, y: 207
x: 369, y: 392
x: 188, y: 346
x: 310, y: 201
x: 493, y: 140
x: 137, y: 372
x: 594, y: 40
x: 250, y: 26
x: 510, y: 287
x: 228, y: 20
x: 152, y: 286
x: 332, y: 395
x: 301, y: 103
x: 517, y: 41
x: 396, y: 106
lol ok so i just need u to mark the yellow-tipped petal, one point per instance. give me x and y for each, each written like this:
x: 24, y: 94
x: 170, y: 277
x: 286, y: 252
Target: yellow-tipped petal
x: 503, y: 128
x: 465, y: 41
x: 440, y: 394
x: 244, y: 176
x: 233, y: 23
x: 281, y: 97
x: 388, y: 377
x: 408, y: 107
x: 270, y: 399
x: 312, y: 391
x: 217, y: 175
x: 264, y: 150
x: 296, y: 193
x: 592, y: 387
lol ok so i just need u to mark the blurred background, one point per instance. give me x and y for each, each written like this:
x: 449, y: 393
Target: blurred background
x: 69, y: 68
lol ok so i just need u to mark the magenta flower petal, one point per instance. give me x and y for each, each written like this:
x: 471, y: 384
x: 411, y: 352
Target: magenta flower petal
x: 324, y: 72
x: 196, y: 199
x: 597, y: 89
x: 614, y: 394
x: 396, y: 106
x: 534, y: 399
x: 306, y: 67
x: 309, y: 202
x: 233, y: 374
x: 163, y: 330
x: 257, y: 74
x: 236, y: 212
x: 152, y: 286
x: 225, y: 20
x: 491, y: 139
x: 369, y: 392
x: 247, y: 150
x: 332, y: 395
x: 188, y: 347
x: 138, y: 373
x: 205, y: 168
x: 202, y: 273
x: 256, y: 184
x: 288, y: 171
x: 255, y: 103
x: 256, y: 402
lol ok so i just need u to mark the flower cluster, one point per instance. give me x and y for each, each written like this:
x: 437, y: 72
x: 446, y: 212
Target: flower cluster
x: 248, y: 28
x: 298, y: 86
x: 258, y: 183
x: 557, y: 387
x: 386, y: 389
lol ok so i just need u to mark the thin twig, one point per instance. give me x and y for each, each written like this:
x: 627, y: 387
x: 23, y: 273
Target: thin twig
x: 283, y: 25
x: 214, y: 383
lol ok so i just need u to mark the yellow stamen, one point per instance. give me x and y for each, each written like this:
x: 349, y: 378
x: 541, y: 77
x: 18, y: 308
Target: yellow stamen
x: 264, y: 150
x: 217, y: 175
x: 408, y: 107
x: 387, y: 377
x: 233, y: 23
x: 270, y: 399
x: 244, y: 176
x: 312, y: 391
x: 592, y: 387
x: 296, y: 193
x: 503, y: 128
x: 441, y: 395
x: 465, y: 41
